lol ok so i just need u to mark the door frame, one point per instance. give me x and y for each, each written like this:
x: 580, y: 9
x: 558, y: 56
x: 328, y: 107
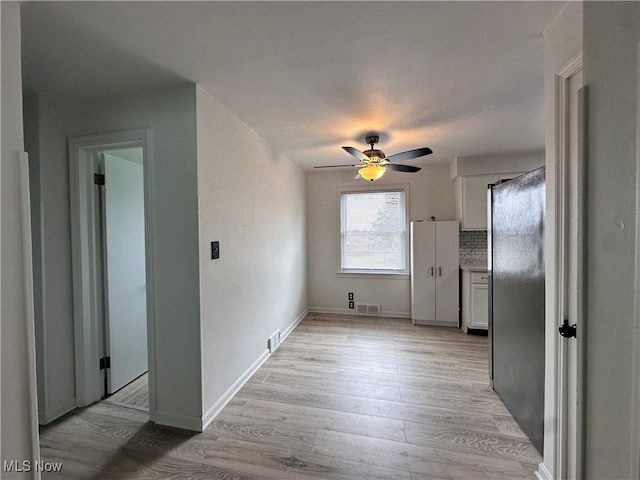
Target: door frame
x: 556, y: 401
x: 84, y: 255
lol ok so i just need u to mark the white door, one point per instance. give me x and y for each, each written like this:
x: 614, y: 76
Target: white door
x: 126, y: 302
x: 447, y: 273
x: 423, y: 271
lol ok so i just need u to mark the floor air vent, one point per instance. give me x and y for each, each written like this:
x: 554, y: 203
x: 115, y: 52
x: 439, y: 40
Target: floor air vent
x: 365, y: 309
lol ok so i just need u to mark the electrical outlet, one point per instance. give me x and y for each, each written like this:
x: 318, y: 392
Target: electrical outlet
x: 215, y: 250
x: 350, y: 295
x: 352, y: 304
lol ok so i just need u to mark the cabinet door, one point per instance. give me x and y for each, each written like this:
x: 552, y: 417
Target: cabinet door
x: 479, y: 306
x: 474, y: 201
x: 423, y: 267
x: 447, y: 273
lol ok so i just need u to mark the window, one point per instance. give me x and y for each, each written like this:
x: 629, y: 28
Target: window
x: 373, y: 227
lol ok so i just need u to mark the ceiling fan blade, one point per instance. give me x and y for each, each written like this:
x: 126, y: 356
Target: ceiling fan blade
x: 402, y: 168
x: 335, y: 166
x: 409, y: 154
x: 354, y: 151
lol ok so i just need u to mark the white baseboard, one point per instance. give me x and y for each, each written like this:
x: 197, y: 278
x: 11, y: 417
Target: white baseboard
x: 436, y: 323
x: 51, y: 414
x: 543, y: 473
x: 185, y: 422
x: 285, y: 333
x: 217, y: 407
x: 226, y: 397
x: 350, y: 311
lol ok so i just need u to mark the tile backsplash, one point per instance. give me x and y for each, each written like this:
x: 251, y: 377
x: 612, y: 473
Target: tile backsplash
x: 473, y: 248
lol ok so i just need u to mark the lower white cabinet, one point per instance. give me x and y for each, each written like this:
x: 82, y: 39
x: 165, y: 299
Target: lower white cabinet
x: 475, y: 300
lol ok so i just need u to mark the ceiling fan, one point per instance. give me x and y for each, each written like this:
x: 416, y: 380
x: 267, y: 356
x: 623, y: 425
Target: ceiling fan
x: 374, y: 163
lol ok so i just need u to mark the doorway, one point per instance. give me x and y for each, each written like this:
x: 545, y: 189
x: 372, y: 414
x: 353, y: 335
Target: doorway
x: 120, y: 233
x: 113, y: 320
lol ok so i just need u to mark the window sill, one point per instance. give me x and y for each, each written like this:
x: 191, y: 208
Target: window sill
x: 374, y: 274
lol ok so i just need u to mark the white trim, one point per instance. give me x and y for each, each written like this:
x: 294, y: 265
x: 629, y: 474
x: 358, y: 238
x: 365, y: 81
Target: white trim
x: 387, y: 275
x: 27, y: 272
x: 49, y: 415
x: 287, y: 331
x: 542, y: 473
x: 83, y: 256
x: 217, y: 407
x: 436, y: 323
x: 556, y: 419
x: 635, y: 391
x: 406, y: 189
x: 348, y: 311
x: 185, y: 422
x: 226, y: 397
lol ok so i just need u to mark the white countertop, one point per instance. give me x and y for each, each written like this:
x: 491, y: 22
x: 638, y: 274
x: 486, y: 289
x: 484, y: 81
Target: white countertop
x: 473, y: 267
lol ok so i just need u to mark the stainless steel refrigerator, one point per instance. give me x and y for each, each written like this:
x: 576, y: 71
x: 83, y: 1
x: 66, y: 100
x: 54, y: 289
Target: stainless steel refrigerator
x: 516, y: 298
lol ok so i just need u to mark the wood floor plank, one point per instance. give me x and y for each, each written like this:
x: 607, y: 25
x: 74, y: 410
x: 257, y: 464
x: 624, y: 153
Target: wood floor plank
x: 135, y: 394
x: 413, y: 458
x: 331, y: 385
x: 417, y: 413
x: 468, y: 440
x: 322, y: 418
x: 344, y: 398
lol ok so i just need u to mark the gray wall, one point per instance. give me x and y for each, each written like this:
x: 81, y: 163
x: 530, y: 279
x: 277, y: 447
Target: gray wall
x: 46, y: 143
x: 171, y: 115
x: 611, y: 35
x: 431, y: 193
x: 252, y: 200
x: 19, y: 433
x: 221, y: 182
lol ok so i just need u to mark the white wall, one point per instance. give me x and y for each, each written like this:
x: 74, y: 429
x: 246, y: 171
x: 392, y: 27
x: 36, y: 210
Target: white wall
x: 19, y: 435
x: 252, y: 200
x: 611, y: 35
x: 516, y: 162
x: 171, y: 116
x: 562, y: 42
x: 431, y: 193
x: 46, y: 142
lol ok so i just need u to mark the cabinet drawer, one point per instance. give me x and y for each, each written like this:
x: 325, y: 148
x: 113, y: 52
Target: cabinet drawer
x: 479, y: 277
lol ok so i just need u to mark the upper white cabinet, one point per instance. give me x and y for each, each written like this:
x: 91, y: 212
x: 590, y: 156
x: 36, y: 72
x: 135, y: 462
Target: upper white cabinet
x: 471, y: 199
x: 435, y: 274
x: 473, y: 173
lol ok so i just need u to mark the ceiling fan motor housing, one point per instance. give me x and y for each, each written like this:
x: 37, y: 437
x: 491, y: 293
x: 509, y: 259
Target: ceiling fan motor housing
x: 374, y: 153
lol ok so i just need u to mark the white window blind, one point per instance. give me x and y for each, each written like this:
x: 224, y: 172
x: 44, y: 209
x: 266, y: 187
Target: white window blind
x: 373, y: 229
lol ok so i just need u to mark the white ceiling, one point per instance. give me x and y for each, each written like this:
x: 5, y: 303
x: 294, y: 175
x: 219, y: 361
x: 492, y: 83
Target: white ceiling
x: 464, y: 78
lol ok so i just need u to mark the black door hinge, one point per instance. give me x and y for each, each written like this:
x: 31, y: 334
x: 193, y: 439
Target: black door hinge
x: 567, y: 330
x: 105, y: 362
x: 99, y: 179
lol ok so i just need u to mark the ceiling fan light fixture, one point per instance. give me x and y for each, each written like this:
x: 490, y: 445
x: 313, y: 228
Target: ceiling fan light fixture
x: 372, y: 172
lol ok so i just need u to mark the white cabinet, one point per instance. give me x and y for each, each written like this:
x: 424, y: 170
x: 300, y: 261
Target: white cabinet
x: 475, y: 300
x: 471, y: 201
x: 435, y: 265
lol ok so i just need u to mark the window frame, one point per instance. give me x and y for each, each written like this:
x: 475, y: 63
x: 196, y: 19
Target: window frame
x: 364, y: 272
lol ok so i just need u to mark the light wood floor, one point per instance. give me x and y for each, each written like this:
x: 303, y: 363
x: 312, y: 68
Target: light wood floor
x: 342, y: 398
x: 134, y: 395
